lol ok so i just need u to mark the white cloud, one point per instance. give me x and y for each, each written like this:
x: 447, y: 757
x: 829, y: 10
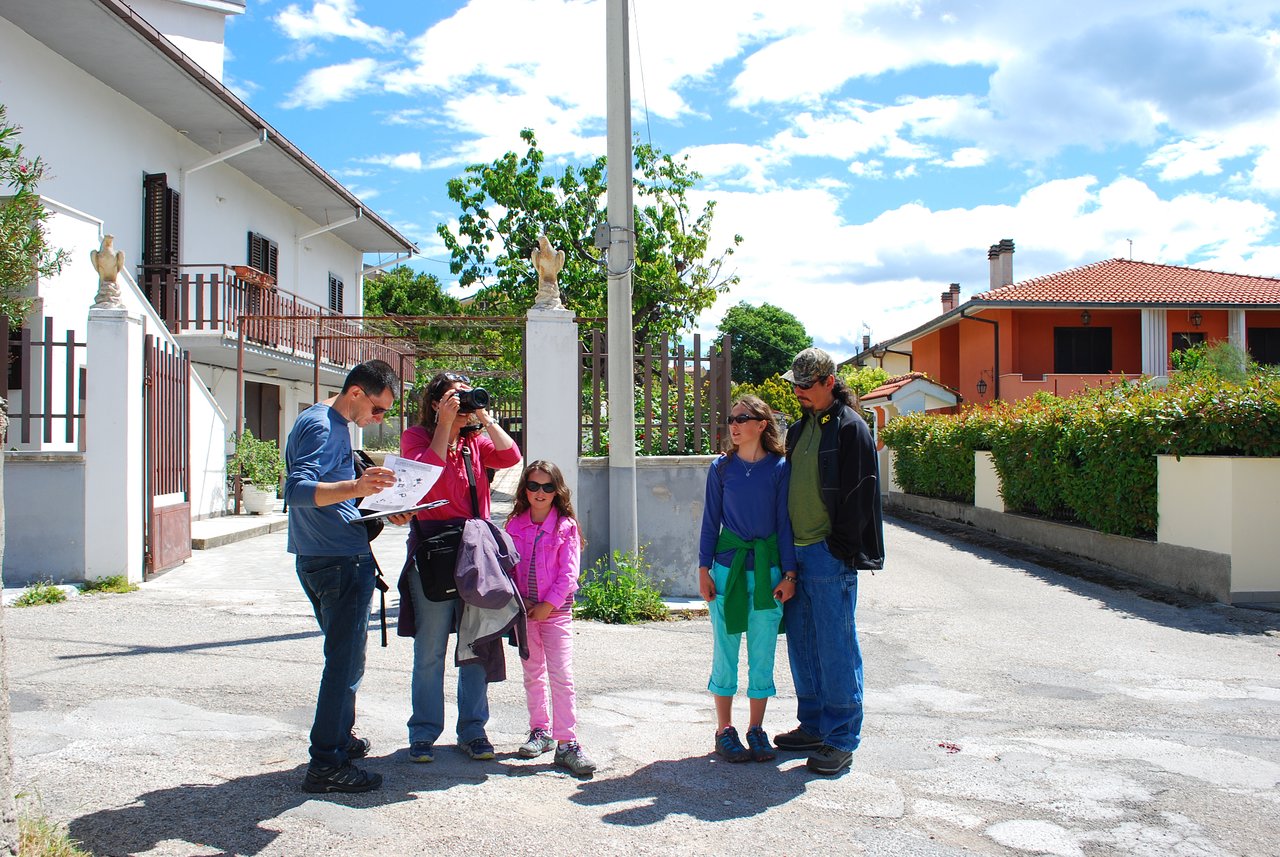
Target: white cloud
x: 800, y: 252
x: 327, y: 20
x: 733, y: 164
x: 969, y: 156
x: 409, y: 161
x: 342, y: 82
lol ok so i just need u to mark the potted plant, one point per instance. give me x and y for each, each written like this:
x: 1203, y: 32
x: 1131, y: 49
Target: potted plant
x: 260, y: 466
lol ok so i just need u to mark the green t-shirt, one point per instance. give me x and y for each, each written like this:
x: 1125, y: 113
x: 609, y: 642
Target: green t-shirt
x: 810, y: 523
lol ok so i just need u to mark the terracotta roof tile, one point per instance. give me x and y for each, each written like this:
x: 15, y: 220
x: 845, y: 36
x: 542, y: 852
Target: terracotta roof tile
x: 896, y: 383
x: 1124, y: 281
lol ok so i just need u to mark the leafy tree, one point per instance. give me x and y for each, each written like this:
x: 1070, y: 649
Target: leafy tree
x: 404, y: 291
x: 763, y: 340
x: 775, y: 392
x: 862, y: 379
x: 507, y: 204
x: 25, y: 253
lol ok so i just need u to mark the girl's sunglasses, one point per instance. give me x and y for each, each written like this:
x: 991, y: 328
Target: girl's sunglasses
x: 740, y: 419
x: 544, y: 487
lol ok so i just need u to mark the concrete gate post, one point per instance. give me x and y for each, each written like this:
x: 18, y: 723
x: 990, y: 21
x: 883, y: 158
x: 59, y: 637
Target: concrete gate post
x: 552, y: 422
x: 114, y: 437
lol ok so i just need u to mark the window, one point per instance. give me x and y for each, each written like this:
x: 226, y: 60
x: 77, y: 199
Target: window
x: 335, y: 293
x: 1264, y: 345
x: 1082, y: 350
x: 161, y: 253
x: 264, y: 254
x: 1183, y: 341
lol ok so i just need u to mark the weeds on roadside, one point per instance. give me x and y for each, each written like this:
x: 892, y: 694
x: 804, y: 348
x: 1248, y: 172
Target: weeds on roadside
x: 40, y: 837
x: 112, y: 584
x: 622, y: 594
x: 41, y: 592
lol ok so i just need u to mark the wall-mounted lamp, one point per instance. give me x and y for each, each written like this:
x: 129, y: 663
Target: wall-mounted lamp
x: 982, y: 386
x: 1196, y: 318
x: 1085, y: 317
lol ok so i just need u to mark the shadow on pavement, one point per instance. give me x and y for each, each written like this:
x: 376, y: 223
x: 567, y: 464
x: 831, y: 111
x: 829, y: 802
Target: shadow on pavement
x: 226, y: 816
x: 1117, y: 590
x: 701, y: 787
x: 124, y: 651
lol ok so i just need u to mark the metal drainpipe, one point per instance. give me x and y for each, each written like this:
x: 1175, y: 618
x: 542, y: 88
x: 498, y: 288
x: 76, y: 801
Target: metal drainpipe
x: 996, y: 370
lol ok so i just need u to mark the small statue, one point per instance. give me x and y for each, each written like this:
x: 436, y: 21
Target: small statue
x: 108, y: 262
x: 547, y: 261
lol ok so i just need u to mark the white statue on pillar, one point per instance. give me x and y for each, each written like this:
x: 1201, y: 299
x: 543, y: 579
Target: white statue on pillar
x: 108, y: 262
x: 547, y: 261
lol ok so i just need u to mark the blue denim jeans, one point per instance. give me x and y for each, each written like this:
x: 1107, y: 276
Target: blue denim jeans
x: 339, y: 588
x: 433, y: 624
x: 822, y: 644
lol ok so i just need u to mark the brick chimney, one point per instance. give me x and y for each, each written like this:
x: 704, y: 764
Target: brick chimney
x: 866, y: 342
x: 1006, y: 261
x: 948, y: 301
x: 993, y: 258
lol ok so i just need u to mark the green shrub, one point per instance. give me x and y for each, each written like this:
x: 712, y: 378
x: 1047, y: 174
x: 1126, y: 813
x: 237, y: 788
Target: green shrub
x: 1091, y: 457
x: 42, y: 592
x: 40, y: 837
x: 113, y: 584
x: 259, y: 461
x: 621, y: 593
x: 933, y: 454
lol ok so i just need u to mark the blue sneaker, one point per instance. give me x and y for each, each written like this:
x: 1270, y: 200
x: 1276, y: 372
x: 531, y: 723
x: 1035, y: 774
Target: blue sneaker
x: 422, y: 751
x: 477, y: 748
x: 729, y: 746
x: 761, y: 749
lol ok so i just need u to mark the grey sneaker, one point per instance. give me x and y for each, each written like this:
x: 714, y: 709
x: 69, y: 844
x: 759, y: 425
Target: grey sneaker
x: 570, y: 755
x: 422, y: 751
x: 828, y: 760
x: 539, y: 742
x: 797, y: 739
x: 477, y: 748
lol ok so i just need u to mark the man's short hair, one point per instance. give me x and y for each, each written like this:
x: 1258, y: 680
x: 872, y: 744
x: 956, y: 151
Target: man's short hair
x: 373, y: 376
x: 810, y: 367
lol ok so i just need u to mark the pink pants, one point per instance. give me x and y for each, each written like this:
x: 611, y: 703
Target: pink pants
x: 551, y: 656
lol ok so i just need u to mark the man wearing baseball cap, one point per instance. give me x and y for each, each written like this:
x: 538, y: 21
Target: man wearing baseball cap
x: 834, y: 502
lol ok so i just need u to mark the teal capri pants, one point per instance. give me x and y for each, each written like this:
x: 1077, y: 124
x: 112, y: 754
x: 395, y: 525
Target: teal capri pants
x: 762, y: 641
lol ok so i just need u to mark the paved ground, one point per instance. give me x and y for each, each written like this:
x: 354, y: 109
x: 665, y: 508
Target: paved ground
x: 1011, y: 709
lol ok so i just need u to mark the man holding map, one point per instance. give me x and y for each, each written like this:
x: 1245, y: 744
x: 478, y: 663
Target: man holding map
x: 334, y: 561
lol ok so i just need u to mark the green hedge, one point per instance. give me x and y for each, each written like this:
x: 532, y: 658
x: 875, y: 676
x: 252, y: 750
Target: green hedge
x: 1089, y: 458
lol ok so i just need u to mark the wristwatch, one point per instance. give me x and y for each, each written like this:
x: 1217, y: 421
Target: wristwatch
x: 793, y: 577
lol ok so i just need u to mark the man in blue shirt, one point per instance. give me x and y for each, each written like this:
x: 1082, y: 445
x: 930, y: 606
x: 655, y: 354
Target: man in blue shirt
x: 334, y: 562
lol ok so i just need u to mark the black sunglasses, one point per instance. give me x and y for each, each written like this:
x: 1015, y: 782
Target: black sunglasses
x: 743, y: 418
x: 544, y: 487
x: 810, y: 384
x: 456, y: 378
x: 377, y: 411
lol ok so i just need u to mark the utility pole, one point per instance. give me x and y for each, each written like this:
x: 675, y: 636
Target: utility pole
x: 622, y: 416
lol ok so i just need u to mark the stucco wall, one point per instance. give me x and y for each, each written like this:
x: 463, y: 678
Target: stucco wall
x: 669, y: 492
x: 44, y: 517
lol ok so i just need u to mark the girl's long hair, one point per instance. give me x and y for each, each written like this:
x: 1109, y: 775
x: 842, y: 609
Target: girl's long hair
x: 562, y: 499
x: 771, y: 437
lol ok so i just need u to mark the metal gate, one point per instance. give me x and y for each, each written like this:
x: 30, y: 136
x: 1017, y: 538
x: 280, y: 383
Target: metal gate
x: 167, y: 428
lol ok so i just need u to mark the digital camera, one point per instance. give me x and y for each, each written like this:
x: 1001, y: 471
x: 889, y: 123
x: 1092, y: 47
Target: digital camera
x: 473, y: 399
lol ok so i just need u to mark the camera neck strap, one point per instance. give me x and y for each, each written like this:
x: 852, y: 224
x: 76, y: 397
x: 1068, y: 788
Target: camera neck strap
x: 465, y: 449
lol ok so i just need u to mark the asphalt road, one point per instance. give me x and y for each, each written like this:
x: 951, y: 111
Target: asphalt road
x: 1011, y: 709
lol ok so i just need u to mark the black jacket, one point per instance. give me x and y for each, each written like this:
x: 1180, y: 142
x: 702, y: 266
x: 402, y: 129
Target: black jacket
x: 849, y: 477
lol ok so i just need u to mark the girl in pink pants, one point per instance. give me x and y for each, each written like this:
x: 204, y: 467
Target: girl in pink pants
x: 545, y: 532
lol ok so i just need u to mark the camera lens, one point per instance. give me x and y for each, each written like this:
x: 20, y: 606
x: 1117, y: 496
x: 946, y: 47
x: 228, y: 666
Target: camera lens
x: 473, y: 399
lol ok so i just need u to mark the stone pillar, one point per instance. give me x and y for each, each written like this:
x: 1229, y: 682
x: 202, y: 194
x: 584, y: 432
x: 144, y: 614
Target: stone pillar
x: 1155, y: 343
x: 1236, y: 333
x: 114, y: 456
x: 551, y: 423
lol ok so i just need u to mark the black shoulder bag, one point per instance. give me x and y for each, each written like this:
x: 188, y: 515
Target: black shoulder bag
x: 436, y: 556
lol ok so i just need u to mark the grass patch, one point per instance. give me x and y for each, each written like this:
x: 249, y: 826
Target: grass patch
x: 623, y: 594
x: 113, y: 584
x: 40, y: 837
x: 42, y: 592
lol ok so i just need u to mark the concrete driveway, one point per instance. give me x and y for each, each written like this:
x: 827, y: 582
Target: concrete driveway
x: 1011, y: 709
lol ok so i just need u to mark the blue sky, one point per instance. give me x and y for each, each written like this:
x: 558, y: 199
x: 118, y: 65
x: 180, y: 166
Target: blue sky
x: 868, y: 151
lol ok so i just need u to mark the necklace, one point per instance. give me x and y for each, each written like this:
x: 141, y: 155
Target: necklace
x: 751, y: 465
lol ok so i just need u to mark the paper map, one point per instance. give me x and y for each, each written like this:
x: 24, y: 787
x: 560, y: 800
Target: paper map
x: 413, y: 480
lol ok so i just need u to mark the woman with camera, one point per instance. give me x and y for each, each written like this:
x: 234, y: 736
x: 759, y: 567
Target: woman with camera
x: 455, y: 432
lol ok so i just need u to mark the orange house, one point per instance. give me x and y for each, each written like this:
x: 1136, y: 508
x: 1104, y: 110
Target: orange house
x: 1086, y: 326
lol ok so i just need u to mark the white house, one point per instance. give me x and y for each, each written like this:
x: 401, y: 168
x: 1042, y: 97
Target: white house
x: 220, y: 217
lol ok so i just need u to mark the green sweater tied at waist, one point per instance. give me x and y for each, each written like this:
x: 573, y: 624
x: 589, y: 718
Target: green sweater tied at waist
x: 765, y: 558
